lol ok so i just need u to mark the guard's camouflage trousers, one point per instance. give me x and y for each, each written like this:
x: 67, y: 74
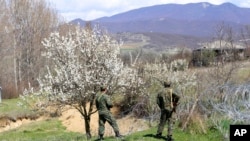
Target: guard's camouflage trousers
x: 166, y: 116
x: 107, y: 116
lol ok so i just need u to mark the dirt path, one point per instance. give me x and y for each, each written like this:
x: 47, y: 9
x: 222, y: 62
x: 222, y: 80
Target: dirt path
x: 73, y: 121
x: 7, y: 124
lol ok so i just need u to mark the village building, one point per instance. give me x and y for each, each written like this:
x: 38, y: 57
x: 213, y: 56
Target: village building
x: 218, y: 52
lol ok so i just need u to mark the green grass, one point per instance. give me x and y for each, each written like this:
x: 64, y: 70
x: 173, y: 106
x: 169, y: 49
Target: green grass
x: 10, y: 108
x: 178, y: 135
x: 53, y: 130
x: 48, y: 130
x: 242, y: 75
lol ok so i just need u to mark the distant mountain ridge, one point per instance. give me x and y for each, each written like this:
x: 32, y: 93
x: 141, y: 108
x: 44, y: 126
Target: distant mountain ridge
x: 193, y: 11
x: 187, y: 23
x: 195, y: 19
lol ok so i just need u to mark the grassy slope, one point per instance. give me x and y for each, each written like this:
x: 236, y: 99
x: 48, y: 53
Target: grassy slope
x: 52, y: 130
x: 49, y: 130
x: 179, y: 135
x: 10, y: 108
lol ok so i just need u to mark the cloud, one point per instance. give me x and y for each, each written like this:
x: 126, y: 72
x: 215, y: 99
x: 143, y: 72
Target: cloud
x: 245, y: 4
x: 92, y: 9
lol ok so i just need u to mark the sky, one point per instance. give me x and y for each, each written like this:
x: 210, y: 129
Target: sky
x: 93, y: 9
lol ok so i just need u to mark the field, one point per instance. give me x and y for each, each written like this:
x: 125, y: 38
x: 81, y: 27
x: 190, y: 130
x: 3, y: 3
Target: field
x: 65, y: 128
x: 53, y: 130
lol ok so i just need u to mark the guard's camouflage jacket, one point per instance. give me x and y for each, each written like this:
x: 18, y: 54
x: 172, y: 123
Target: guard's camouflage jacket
x: 167, y: 99
x: 103, y: 103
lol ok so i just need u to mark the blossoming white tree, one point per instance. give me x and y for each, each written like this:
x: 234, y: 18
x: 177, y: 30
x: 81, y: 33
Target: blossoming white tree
x: 82, y: 61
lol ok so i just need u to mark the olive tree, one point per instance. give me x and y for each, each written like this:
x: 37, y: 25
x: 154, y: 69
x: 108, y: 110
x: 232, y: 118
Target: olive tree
x: 80, y: 62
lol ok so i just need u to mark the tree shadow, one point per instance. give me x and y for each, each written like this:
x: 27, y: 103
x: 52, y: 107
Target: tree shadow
x: 154, y: 136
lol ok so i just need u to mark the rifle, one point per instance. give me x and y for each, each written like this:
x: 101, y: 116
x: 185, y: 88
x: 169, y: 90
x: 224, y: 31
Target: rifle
x: 176, y: 99
x: 173, y: 109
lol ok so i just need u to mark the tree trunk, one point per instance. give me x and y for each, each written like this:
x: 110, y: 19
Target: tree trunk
x: 14, y: 63
x: 87, y: 126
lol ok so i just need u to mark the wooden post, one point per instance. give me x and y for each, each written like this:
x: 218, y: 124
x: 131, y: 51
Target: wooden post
x: 0, y: 94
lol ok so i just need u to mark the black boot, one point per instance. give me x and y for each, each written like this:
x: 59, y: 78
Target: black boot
x: 170, y: 138
x: 118, y: 135
x: 158, y: 135
x: 100, y: 138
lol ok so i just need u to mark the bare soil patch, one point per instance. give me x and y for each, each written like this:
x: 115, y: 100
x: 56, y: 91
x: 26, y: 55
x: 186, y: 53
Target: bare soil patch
x: 73, y: 121
x: 8, y: 124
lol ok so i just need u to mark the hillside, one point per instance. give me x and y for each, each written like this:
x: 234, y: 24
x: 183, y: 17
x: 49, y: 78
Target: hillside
x: 176, y: 24
x: 158, y: 41
x: 193, y: 19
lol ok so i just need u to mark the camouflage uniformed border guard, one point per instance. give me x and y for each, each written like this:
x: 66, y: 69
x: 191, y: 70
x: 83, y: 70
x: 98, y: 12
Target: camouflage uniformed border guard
x: 167, y: 101
x: 103, y: 105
